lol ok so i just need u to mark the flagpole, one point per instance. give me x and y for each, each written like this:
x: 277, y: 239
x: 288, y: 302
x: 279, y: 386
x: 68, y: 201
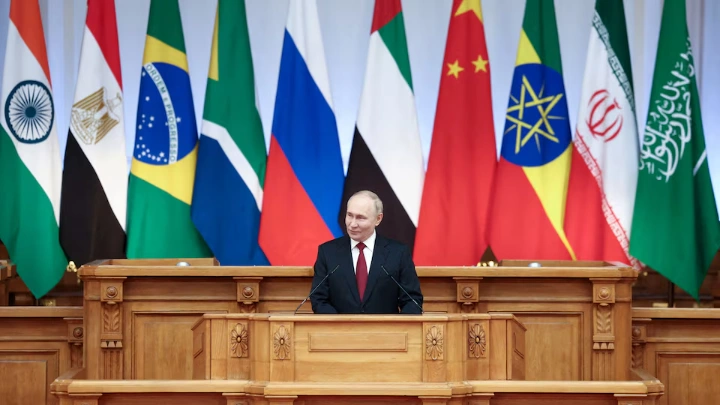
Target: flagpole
x: 671, y: 294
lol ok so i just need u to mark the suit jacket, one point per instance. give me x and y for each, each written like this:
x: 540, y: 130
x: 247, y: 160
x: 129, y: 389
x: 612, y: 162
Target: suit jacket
x: 339, y: 292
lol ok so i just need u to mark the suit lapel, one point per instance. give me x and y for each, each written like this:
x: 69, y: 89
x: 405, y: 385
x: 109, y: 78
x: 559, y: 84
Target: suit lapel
x: 347, y: 267
x: 376, y: 270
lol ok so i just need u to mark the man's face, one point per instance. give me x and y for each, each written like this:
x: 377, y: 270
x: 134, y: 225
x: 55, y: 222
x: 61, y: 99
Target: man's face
x: 361, y: 218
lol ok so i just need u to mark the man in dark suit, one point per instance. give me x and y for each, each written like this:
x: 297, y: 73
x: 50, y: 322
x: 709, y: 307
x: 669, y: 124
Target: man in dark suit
x: 359, y: 284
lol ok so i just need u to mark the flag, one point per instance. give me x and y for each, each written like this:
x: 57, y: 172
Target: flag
x: 528, y: 206
x: 94, y: 198
x: 675, y: 228
x: 228, y: 191
x: 163, y: 165
x: 603, y: 173
x: 386, y: 157
x: 30, y: 166
x: 461, y: 166
x: 304, y: 179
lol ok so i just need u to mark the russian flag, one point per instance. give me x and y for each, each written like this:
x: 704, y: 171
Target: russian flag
x: 304, y: 180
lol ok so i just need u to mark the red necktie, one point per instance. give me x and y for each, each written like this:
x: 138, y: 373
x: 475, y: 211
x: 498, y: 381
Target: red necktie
x: 361, y: 272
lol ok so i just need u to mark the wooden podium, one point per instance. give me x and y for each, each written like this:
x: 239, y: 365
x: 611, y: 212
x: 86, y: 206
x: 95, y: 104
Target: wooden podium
x: 359, y: 348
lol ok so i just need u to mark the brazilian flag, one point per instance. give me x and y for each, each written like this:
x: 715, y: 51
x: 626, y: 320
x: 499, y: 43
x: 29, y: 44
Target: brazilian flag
x: 165, y: 151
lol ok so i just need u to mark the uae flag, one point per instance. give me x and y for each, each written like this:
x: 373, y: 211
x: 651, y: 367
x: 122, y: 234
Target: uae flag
x: 386, y: 157
x: 462, y: 160
x: 94, y: 199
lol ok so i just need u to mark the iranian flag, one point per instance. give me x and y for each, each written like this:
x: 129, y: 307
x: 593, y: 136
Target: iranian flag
x: 603, y: 173
x: 675, y: 227
x: 29, y: 154
x: 386, y: 157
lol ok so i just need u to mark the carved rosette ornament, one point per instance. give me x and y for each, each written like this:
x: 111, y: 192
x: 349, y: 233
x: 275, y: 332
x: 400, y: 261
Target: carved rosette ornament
x: 281, y: 343
x: 476, y: 341
x: 239, y: 341
x: 434, y: 343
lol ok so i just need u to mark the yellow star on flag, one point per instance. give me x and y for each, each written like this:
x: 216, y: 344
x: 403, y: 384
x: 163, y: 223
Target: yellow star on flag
x: 480, y: 64
x: 454, y: 69
x: 469, y: 5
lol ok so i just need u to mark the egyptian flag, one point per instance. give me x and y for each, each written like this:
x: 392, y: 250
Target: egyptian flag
x: 386, y: 157
x: 95, y: 179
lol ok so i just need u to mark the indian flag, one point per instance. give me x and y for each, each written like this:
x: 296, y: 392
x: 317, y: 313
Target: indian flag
x: 30, y: 163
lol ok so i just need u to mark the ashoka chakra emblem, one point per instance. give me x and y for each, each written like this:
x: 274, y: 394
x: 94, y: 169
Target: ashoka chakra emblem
x: 29, y: 111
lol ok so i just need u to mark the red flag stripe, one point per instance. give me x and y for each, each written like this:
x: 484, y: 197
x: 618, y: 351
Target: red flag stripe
x: 25, y: 15
x: 102, y: 23
x: 385, y: 11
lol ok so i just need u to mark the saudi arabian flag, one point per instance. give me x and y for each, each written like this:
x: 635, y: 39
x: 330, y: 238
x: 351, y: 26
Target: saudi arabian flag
x: 30, y: 169
x: 675, y: 223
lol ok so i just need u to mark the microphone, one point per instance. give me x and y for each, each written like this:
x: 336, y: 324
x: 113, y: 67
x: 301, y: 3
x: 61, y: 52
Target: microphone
x: 316, y: 287
x: 405, y: 291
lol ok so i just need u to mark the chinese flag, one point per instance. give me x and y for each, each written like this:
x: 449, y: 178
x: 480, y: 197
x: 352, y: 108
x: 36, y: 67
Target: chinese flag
x: 461, y: 166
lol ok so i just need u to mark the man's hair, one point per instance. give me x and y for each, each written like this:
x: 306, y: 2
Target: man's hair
x: 374, y: 197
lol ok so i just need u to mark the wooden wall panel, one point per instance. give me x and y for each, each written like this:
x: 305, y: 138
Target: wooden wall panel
x: 681, y: 347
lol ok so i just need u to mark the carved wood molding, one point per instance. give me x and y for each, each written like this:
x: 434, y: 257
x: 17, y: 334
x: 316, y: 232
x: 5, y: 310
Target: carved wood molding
x: 467, y: 290
x: 603, y: 314
x: 476, y: 341
x: 75, y: 335
x: 111, y: 291
x: 282, y: 343
x: 434, y: 346
x: 239, y: 340
x: 639, y: 335
x: 248, y: 290
x: 249, y: 308
x: 111, y: 336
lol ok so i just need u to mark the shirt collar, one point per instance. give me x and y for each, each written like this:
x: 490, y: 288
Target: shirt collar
x: 369, y: 242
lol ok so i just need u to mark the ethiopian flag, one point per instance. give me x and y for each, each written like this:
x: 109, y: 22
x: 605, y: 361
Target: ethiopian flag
x: 528, y: 207
x: 163, y: 165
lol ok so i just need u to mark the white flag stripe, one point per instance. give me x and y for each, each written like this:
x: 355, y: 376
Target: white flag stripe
x: 388, y: 124
x: 107, y: 156
x: 236, y: 158
x: 42, y: 158
x: 610, y: 111
x: 304, y: 27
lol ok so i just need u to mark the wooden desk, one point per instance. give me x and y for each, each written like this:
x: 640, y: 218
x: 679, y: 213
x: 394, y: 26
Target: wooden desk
x: 73, y: 391
x: 577, y: 314
x: 37, y: 344
x: 359, y: 348
x: 681, y: 347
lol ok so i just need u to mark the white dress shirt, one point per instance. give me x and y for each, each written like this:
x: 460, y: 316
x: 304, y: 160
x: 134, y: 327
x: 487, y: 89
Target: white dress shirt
x: 368, y: 251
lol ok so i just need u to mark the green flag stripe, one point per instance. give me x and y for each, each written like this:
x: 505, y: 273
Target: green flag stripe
x: 28, y: 227
x: 170, y: 233
x: 609, y: 20
x: 393, y: 35
x: 540, y: 26
x: 230, y: 101
x: 165, y: 23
